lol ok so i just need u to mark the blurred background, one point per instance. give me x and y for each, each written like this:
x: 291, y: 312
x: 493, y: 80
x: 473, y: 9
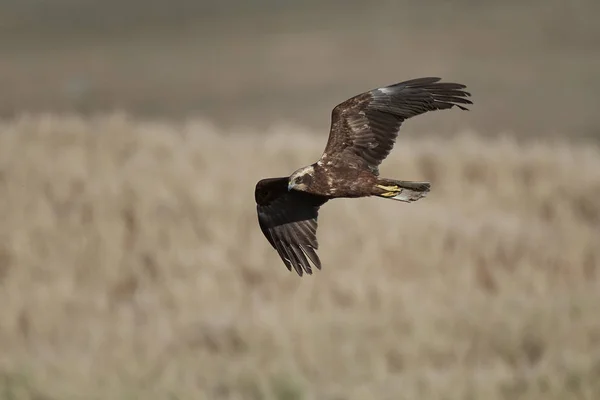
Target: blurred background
x: 533, y: 64
x: 132, y: 134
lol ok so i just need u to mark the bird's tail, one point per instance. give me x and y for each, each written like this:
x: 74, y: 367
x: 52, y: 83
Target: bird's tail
x: 406, y: 191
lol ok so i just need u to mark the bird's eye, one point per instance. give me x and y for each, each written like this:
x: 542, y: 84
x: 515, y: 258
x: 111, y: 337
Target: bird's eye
x: 299, y: 179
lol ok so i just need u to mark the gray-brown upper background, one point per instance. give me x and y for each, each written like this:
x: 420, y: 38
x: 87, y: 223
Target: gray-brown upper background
x: 532, y: 66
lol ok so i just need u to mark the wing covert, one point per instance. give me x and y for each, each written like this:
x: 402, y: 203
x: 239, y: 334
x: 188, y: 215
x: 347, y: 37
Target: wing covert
x: 364, y: 128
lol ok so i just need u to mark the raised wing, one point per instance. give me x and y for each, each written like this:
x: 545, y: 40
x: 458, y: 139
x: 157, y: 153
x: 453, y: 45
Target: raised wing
x: 364, y: 128
x: 288, y: 219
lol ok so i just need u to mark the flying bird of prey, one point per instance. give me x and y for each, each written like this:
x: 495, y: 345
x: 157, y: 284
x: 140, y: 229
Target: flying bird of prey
x: 362, y: 133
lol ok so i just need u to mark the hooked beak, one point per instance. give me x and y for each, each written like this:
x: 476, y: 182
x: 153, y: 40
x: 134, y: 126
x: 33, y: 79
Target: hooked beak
x: 290, y: 185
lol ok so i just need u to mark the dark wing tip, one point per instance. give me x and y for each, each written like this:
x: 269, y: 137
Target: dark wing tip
x: 445, y: 94
x: 427, y: 80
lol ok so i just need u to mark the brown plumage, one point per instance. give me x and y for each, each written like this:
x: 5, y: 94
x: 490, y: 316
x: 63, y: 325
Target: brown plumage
x: 362, y: 134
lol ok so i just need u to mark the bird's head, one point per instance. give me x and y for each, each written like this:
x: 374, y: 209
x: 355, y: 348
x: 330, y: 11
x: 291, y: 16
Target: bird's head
x: 301, y: 179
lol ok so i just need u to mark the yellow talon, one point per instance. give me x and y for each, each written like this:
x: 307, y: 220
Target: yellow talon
x: 389, y: 188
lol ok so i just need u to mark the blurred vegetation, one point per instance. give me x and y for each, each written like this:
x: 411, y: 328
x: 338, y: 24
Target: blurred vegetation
x: 132, y: 266
x: 132, y: 134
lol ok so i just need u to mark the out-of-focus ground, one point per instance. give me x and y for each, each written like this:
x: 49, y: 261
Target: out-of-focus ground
x: 132, y: 266
x: 131, y: 261
x: 532, y: 65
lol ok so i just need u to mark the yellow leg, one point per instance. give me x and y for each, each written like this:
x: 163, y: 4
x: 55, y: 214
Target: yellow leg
x: 390, y: 191
x: 388, y: 188
x: 402, y: 191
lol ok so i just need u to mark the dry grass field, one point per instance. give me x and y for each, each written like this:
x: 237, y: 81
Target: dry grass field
x: 132, y: 267
x: 131, y: 262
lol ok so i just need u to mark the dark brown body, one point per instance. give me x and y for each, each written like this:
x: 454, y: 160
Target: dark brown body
x: 339, y: 180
